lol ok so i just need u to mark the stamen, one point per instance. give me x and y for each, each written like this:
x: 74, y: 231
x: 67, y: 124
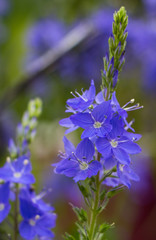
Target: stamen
x: 114, y: 143
x: 97, y: 124
x: 25, y: 162
x: 73, y: 94
x: 121, y: 167
x: 17, y: 174
x: 32, y: 222
x: 135, y: 107
x: 84, y: 166
x: 37, y: 217
x: 81, y: 96
x: 131, y: 101
x: 2, y: 206
x: 8, y: 159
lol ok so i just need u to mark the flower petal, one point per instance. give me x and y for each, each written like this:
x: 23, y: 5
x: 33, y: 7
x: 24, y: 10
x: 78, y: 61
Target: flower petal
x: 83, y: 120
x: 121, y: 155
x: 104, y: 147
x: 101, y: 111
x: 130, y: 147
x: 85, y: 150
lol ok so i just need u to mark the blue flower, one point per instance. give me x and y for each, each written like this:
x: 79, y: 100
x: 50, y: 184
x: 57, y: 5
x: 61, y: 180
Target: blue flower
x: 122, y: 111
x: 78, y: 163
x: 126, y: 174
x: 29, y: 194
x: 36, y: 222
x: 81, y: 102
x: 95, y: 123
x: 17, y: 171
x: 4, y: 201
x: 66, y: 122
x: 116, y: 146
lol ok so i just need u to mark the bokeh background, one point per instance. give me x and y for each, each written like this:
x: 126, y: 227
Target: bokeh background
x: 31, y: 28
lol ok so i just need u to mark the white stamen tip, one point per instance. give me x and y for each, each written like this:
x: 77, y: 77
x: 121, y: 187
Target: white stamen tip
x: 2, y: 206
x: 25, y: 162
x: 17, y: 174
x: 37, y: 217
x: 8, y: 159
x: 32, y: 222
x: 132, y: 100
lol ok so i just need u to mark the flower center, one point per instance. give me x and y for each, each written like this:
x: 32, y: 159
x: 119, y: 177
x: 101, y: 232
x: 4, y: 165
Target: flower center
x: 97, y: 125
x: 121, y: 167
x: 84, y: 166
x: 32, y: 222
x: 17, y: 174
x: 2, y: 206
x: 114, y: 143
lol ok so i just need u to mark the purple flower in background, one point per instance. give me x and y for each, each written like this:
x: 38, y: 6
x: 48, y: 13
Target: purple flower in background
x: 36, y: 222
x: 45, y: 35
x: 78, y: 163
x: 17, y: 171
x: 4, y: 200
x: 4, y: 6
x: 150, y: 7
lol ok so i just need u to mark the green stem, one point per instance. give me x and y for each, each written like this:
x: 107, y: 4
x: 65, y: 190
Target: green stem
x: 94, y: 213
x: 16, y: 205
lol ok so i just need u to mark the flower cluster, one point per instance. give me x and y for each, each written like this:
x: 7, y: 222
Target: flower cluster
x: 105, y: 132
x: 16, y: 179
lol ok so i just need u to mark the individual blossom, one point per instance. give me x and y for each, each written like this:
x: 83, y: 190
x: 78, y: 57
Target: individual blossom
x: 95, y: 123
x: 81, y: 102
x: 78, y: 163
x: 17, y: 171
x: 4, y: 200
x: 115, y: 146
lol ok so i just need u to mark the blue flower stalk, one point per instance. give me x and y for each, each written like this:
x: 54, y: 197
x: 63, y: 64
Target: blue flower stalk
x: 16, y: 182
x: 101, y: 163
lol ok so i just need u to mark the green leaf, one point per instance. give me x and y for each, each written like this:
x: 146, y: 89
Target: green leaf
x: 105, y: 226
x: 84, y: 190
x: 112, y: 193
x: 81, y: 214
x: 68, y: 237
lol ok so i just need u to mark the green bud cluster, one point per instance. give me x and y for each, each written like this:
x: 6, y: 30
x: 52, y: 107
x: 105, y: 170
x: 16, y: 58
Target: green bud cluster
x: 27, y: 129
x: 114, y: 62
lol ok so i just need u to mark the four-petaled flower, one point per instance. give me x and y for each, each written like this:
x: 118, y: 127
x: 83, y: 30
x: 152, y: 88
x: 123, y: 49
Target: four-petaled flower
x: 78, y: 163
x: 95, y: 123
x: 36, y: 223
x: 17, y: 171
